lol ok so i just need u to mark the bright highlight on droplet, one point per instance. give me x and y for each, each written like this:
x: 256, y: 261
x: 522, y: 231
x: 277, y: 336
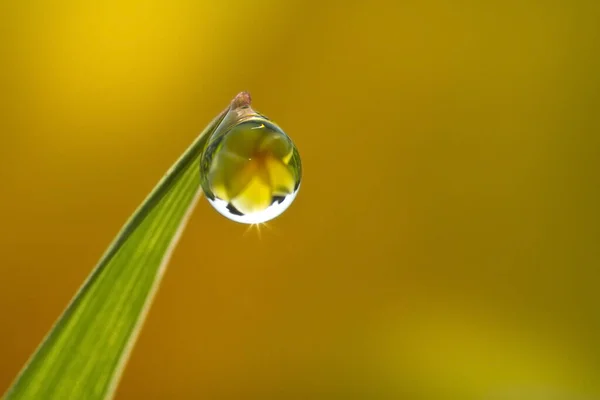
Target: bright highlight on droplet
x: 251, y: 173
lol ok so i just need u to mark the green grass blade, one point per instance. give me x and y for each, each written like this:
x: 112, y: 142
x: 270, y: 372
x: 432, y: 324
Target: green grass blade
x: 84, y: 354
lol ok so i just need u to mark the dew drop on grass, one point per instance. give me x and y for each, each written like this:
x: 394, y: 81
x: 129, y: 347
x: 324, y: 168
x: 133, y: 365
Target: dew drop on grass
x: 252, y: 172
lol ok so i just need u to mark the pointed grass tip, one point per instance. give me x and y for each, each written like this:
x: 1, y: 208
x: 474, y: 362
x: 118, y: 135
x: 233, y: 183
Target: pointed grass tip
x: 242, y: 100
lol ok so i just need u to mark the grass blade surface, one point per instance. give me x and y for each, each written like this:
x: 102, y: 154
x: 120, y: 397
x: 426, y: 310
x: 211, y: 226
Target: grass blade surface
x: 84, y: 354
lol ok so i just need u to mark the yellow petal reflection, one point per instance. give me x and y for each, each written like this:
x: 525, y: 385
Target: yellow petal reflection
x: 224, y: 167
x: 277, y: 145
x: 281, y: 178
x: 255, y: 197
x: 239, y: 179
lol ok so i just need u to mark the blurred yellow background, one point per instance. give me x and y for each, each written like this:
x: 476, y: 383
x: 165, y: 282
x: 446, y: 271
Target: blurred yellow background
x: 444, y: 243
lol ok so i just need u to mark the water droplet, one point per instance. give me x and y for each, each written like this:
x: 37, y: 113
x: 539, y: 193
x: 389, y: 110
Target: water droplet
x: 251, y: 173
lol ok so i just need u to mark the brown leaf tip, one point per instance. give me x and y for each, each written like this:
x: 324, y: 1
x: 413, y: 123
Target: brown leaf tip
x: 242, y: 100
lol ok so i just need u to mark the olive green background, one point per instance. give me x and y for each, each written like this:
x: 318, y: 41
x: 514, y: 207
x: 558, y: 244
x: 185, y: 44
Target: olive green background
x: 444, y: 243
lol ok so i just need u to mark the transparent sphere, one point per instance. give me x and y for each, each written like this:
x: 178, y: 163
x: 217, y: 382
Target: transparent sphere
x: 251, y: 174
